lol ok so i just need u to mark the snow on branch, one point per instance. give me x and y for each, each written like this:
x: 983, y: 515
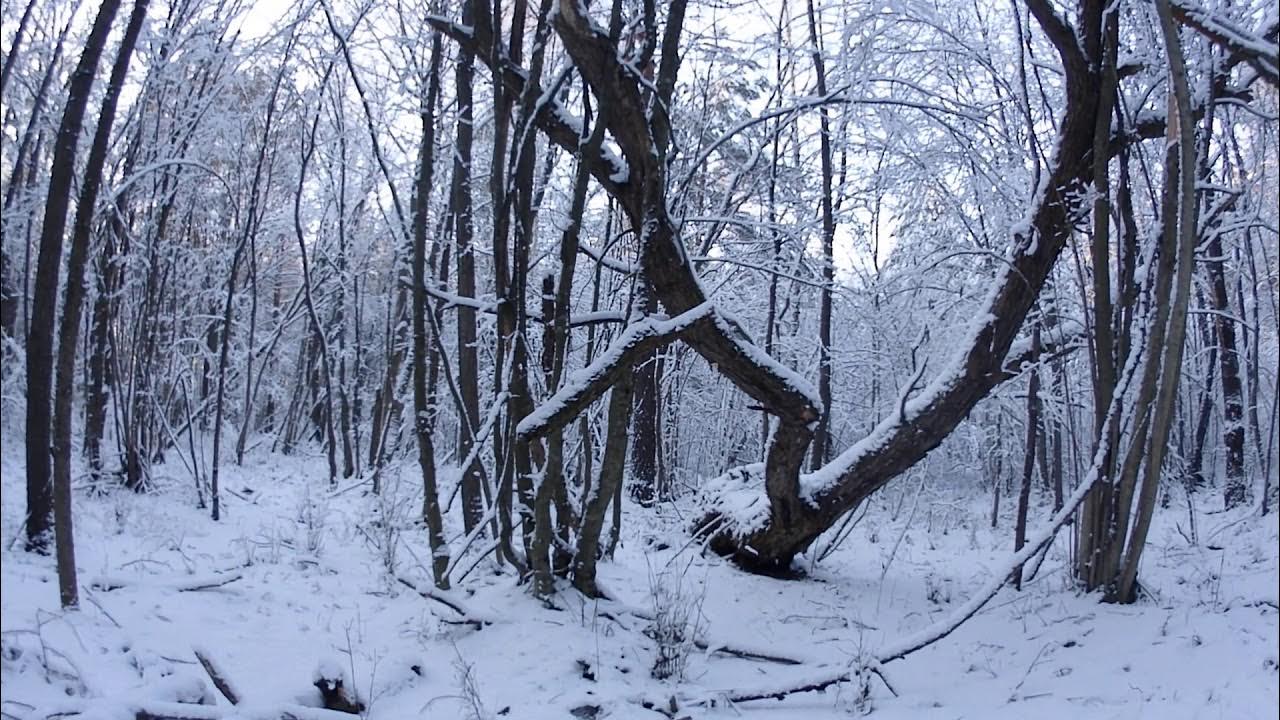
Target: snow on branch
x: 469, y: 616
x: 999, y: 578
x: 586, y: 385
x: 561, y: 127
x: 1257, y: 49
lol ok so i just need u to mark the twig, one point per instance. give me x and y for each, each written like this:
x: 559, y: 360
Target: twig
x: 209, y: 583
x: 89, y: 596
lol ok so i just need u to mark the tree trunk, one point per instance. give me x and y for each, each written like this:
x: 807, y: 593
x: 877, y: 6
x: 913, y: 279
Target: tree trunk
x: 642, y: 484
x: 1236, y: 489
x: 101, y: 358
x: 22, y: 179
x: 73, y: 308
x: 611, y: 471
x: 537, y: 493
x: 468, y: 361
x: 768, y: 542
x: 1124, y: 589
x: 1097, y: 511
x: 237, y: 254
x: 423, y: 409
x: 1029, y: 458
x: 822, y: 436
x: 15, y: 45
x: 40, y: 492
x: 1195, y: 463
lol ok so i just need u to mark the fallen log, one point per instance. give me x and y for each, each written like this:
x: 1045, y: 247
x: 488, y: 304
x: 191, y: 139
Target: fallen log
x: 161, y: 710
x: 469, y: 617
x: 195, y: 583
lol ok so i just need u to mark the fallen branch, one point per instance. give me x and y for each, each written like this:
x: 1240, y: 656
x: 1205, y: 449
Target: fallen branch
x: 999, y: 579
x: 218, y: 675
x: 108, y: 583
x: 930, y: 634
x: 818, y: 682
x: 777, y: 692
x: 469, y: 617
x: 158, y: 710
x: 209, y: 583
x: 745, y: 652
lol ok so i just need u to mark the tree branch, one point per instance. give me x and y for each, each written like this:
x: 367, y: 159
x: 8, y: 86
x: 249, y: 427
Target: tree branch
x: 586, y: 385
x: 1260, y: 52
x: 551, y: 117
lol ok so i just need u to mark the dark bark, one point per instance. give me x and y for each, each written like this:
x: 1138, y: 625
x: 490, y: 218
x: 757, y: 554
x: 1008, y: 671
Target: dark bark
x: 611, y: 471
x: 1028, y: 459
x: 1099, y: 508
x: 643, y: 482
x: 423, y: 399
x: 1124, y: 587
x: 321, y: 377
x: 1235, y: 490
x: 536, y: 495
x: 822, y: 436
x: 19, y: 34
x: 1204, y: 415
x: 237, y: 254
x: 468, y: 362
x: 794, y: 522
x: 101, y: 358
x: 40, y: 359
x: 22, y: 181
x: 489, y: 21
x: 556, y: 315
x: 73, y: 307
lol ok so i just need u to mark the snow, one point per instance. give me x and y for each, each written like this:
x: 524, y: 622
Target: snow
x: 738, y: 497
x: 1201, y: 644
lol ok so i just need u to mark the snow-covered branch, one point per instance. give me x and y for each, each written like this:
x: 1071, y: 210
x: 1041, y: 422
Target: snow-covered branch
x: 586, y: 385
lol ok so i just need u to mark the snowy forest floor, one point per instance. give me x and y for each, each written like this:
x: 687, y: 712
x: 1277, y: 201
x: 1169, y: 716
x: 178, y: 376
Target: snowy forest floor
x: 1202, y: 643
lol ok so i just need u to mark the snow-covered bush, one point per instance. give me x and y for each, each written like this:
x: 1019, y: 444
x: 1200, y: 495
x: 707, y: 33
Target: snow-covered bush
x: 313, y: 516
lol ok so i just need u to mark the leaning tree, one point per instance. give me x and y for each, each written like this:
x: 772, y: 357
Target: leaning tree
x: 763, y: 533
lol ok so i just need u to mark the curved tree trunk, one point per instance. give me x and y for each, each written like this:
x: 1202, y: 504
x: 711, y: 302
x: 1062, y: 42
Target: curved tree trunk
x: 73, y: 308
x: 40, y: 490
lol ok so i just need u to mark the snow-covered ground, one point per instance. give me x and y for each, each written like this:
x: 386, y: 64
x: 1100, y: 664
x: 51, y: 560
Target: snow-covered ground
x: 314, y: 592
